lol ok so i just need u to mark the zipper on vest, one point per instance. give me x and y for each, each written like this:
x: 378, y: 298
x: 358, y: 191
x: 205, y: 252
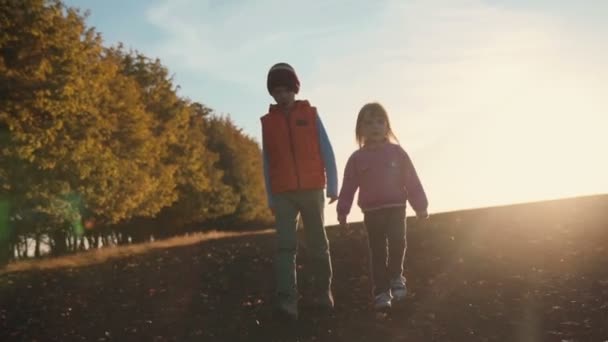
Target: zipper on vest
x: 293, y: 154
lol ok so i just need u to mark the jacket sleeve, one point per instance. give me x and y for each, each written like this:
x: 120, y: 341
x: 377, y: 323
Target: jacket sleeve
x: 415, y: 191
x: 350, y: 183
x: 269, y: 196
x: 329, y: 160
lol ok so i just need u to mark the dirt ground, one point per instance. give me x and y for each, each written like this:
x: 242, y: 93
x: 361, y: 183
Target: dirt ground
x: 533, y: 272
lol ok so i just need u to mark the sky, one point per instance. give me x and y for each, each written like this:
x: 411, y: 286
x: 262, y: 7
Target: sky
x: 496, y: 102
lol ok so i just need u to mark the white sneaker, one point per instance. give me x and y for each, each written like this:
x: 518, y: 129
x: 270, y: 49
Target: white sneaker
x: 398, y: 289
x: 383, y: 301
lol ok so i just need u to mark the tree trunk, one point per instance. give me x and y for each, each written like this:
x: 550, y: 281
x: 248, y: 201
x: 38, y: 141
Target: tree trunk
x: 114, y: 239
x: 24, y: 250
x: 18, y: 249
x: 11, y: 252
x: 6, y: 252
x: 91, y: 241
x: 123, y: 238
x: 73, y: 243
x: 138, y: 236
x: 68, y: 245
x: 60, y: 243
x: 37, y: 246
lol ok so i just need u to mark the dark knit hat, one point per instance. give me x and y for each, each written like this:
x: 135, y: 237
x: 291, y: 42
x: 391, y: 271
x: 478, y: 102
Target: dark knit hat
x: 283, y: 75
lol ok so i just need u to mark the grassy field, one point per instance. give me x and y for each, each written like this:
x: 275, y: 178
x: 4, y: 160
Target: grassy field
x: 530, y: 272
x: 97, y: 256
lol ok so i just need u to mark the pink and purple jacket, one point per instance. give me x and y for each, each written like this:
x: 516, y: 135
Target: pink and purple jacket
x: 385, y: 177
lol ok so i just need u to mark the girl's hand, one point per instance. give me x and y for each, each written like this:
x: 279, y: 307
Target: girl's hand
x: 421, y: 215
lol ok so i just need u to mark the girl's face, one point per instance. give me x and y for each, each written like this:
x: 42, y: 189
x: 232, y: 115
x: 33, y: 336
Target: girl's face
x: 373, y: 128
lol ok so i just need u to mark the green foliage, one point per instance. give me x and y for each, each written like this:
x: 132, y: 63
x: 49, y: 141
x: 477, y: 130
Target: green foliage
x: 50, y: 71
x: 89, y: 132
x: 240, y: 159
x: 202, y: 193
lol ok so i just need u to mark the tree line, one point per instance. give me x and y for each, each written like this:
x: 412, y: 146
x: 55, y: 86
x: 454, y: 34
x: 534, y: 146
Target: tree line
x: 97, y: 143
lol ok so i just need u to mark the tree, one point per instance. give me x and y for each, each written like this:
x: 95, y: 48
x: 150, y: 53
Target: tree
x: 203, y: 195
x: 77, y: 124
x: 241, y: 162
x: 99, y: 134
x: 49, y: 73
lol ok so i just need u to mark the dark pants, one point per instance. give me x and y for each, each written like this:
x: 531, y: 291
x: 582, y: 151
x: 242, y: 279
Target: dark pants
x: 310, y: 205
x: 386, y: 228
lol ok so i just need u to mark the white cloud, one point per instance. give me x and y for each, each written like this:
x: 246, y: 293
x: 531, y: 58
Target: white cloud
x: 475, y: 91
x: 238, y: 41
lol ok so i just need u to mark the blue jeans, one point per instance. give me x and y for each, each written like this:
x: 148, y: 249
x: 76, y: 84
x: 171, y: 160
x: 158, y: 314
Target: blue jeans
x: 310, y: 205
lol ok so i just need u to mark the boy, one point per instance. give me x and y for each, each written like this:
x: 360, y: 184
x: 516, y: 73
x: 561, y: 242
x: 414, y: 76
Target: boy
x: 297, y: 158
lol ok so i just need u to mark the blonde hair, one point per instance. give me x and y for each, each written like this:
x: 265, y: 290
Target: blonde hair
x: 375, y: 109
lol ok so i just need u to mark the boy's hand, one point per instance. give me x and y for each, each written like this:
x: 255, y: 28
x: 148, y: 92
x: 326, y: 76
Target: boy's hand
x: 332, y: 199
x: 421, y: 215
x: 342, y: 221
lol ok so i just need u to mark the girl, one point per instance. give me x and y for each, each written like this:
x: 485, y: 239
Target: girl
x: 386, y: 179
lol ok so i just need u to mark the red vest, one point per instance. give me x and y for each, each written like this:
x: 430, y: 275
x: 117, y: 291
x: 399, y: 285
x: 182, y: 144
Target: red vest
x: 291, y: 144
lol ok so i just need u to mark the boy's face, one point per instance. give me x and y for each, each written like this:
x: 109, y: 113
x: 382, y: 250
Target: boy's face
x: 283, y: 96
x: 374, y: 128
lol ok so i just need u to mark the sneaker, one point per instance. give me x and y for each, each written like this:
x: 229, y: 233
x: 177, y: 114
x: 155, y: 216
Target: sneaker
x: 383, y: 301
x: 398, y: 289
